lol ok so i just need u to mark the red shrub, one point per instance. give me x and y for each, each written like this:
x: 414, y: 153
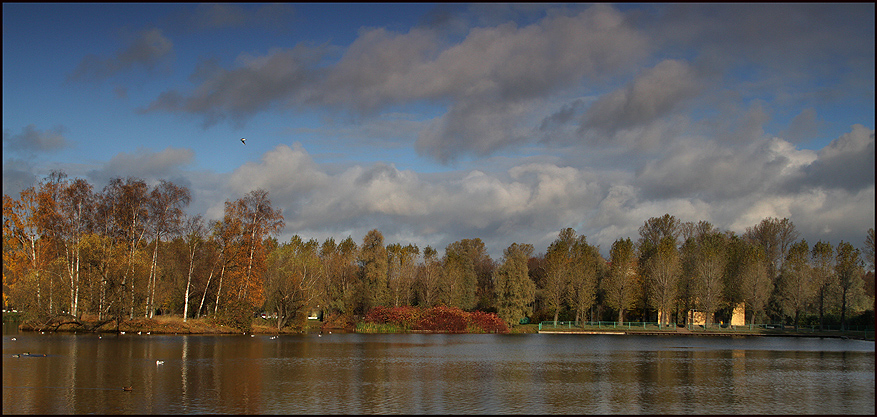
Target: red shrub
x: 405, y: 317
x: 437, y: 319
x: 488, y: 322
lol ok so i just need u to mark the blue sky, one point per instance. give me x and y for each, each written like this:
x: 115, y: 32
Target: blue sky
x: 439, y: 122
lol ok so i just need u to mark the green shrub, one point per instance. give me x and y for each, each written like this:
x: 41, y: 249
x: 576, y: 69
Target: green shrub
x: 236, y: 314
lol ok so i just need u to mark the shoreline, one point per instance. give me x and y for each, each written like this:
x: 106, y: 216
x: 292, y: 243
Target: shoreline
x: 171, y: 325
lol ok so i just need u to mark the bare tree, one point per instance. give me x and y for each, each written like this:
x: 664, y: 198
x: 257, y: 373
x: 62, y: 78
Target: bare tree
x: 869, y: 248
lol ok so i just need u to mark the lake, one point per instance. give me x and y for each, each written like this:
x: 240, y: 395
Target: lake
x: 435, y: 374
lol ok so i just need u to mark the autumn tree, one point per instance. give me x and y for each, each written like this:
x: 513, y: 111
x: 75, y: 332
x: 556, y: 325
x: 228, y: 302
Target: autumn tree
x: 515, y: 290
x: 621, y: 285
x: 27, y: 255
x: 66, y: 213
x: 129, y: 208
x: 257, y: 219
x: 226, y: 234
x: 848, y: 268
x: 797, y: 280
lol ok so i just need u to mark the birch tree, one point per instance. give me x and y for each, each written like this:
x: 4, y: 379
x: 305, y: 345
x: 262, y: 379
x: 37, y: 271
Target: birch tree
x: 166, y: 203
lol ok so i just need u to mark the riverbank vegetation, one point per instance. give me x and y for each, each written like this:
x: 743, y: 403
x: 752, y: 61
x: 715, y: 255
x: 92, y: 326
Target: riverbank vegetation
x: 129, y: 253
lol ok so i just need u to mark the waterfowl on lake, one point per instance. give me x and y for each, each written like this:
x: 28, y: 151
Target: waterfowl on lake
x: 244, y: 141
x: 159, y: 362
x: 127, y: 388
x: 16, y: 356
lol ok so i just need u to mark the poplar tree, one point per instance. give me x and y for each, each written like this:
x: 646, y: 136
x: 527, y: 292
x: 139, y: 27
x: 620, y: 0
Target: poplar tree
x: 824, y: 277
x: 755, y: 283
x: 583, y: 277
x: 515, y: 291
x: 663, y: 270
x: 373, y: 258
x: 558, y: 271
x: 429, y: 278
x: 709, y: 274
x: 621, y: 287
x: 797, y: 280
x: 848, y: 268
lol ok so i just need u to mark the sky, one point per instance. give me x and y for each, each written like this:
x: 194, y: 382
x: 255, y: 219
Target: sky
x: 434, y: 123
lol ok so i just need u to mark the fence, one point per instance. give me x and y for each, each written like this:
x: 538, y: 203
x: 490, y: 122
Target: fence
x: 649, y: 326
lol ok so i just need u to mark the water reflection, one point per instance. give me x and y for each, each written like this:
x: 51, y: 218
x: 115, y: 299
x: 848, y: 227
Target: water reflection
x: 436, y: 374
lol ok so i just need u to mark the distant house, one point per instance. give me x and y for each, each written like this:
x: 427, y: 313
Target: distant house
x: 738, y: 316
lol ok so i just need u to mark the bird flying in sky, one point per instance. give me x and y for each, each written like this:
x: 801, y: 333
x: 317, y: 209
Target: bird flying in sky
x: 244, y: 141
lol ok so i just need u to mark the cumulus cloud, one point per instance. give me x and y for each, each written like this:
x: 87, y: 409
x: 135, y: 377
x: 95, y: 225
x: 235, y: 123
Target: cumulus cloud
x: 32, y: 141
x: 145, y: 164
x: 147, y: 49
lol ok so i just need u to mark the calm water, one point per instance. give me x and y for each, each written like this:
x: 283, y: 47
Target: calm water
x: 436, y: 374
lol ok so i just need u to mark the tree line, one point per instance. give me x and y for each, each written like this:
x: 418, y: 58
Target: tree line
x: 129, y: 251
